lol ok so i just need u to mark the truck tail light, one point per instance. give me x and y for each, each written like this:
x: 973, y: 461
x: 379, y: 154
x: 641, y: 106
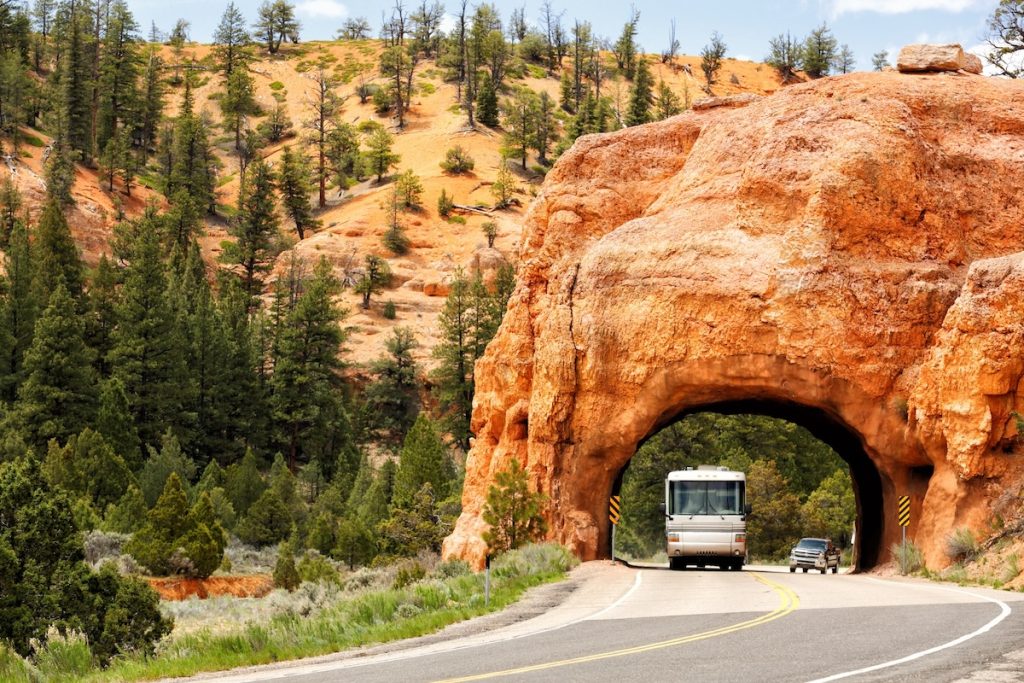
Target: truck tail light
x: 741, y: 538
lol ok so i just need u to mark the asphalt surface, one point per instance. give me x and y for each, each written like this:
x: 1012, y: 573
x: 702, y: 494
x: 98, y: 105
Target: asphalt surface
x: 626, y: 624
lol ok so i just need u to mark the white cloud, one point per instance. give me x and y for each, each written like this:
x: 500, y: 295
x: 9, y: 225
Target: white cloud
x: 984, y: 49
x: 329, y: 9
x: 447, y: 23
x: 902, y: 6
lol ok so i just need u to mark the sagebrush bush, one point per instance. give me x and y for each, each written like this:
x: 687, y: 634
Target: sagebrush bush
x: 60, y: 656
x: 451, y: 569
x: 15, y: 669
x: 908, y: 557
x: 315, y: 568
x: 534, y: 559
x: 457, y: 160
x: 408, y: 574
x: 100, y: 545
x: 961, y: 545
x: 390, y: 311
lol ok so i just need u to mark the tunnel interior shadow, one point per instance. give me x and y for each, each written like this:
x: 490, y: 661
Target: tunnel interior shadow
x: 866, y: 479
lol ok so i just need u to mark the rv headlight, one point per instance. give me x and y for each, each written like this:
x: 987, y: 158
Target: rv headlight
x: 741, y: 538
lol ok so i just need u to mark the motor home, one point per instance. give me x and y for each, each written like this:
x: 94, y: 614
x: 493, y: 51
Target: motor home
x: 706, y: 517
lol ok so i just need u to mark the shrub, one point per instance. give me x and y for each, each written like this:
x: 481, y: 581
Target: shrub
x: 390, y: 312
x: 490, y: 230
x: 285, y: 574
x: 61, y: 656
x: 908, y: 557
x: 13, y: 668
x: 445, y: 204
x: 408, y: 574
x: 457, y: 160
x: 1012, y: 569
x: 315, y: 568
x: 961, y: 545
x: 451, y: 569
x: 267, y: 521
x: 409, y: 190
x: 100, y: 545
x: 540, y: 558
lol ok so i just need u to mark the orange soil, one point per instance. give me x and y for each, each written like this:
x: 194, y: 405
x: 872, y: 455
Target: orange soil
x: 180, y: 588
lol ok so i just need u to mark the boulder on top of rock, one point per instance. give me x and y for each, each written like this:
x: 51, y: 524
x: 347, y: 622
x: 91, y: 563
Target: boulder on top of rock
x: 923, y: 58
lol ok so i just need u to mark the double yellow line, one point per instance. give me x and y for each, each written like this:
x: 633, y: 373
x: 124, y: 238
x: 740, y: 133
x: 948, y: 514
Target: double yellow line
x: 788, y: 602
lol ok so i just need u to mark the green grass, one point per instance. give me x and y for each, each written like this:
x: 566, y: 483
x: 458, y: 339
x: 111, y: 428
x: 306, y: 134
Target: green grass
x: 427, y: 88
x: 33, y: 140
x: 277, y: 85
x: 372, y: 616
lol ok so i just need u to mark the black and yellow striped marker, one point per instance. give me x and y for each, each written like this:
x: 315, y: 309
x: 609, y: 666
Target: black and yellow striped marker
x: 903, y: 510
x: 614, y: 506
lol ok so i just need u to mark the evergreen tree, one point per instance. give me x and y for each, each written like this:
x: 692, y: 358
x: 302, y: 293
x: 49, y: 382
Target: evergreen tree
x: 58, y: 397
x: 785, y: 55
x: 667, y: 102
x: 487, y: 104
x: 114, y: 422
x: 409, y: 189
x: 376, y: 274
x: 416, y: 527
x: 166, y: 522
x: 243, y: 483
x: 295, y: 183
x: 323, y: 124
x: 394, y: 237
x: 193, y: 174
x: 820, y: 49
x: 204, y: 543
x: 880, y: 60
x: 355, y: 543
x: 520, y: 120
x: 151, y: 105
x: 844, y: 61
x: 711, y: 57
x: 774, y: 524
x: 119, y: 69
x: 75, y: 81
x: 423, y: 460
x: 147, y: 355
x: 641, y: 96
x: 545, y: 130
x: 344, y: 159
x: 101, y: 316
x: 56, y: 255
x: 305, y: 380
x: 59, y: 170
x: 379, y: 157
x: 128, y: 514
x: 275, y: 22
x: 238, y: 102
x: 88, y: 467
x: 453, y: 378
x: 10, y: 206
x: 513, y: 511
x: 285, y: 574
x: 390, y: 400
x: 254, y: 228
x: 19, y: 308
x: 266, y: 522
x: 159, y: 467
x: 831, y: 509
x: 46, y: 582
x: 231, y: 41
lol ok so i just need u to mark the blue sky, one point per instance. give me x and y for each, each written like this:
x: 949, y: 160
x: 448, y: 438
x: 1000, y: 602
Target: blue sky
x: 867, y: 26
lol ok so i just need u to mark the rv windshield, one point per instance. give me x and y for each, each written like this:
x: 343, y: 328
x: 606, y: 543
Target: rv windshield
x: 706, y: 498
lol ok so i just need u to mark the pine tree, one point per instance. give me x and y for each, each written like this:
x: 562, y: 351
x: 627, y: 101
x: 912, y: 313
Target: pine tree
x: 453, y: 378
x: 390, y: 399
x: 423, y: 460
x: 295, y: 183
x: 151, y: 105
x: 641, y: 96
x: 305, y: 380
x: 128, y: 514
x: 147, y: 355
x: 285, y: 574
x: 160, y: 466
x: 193, y: 167
x: 205, y: 541
x: 326, y: 108
x: 58, y: 397
x: 394, y: 237
x: 59, y: 171
x: 487, y: 104
x: 114, y: 422
x: 545, y: 130
x: 626, y: 48
x: 254, y: 228
x: 56, y: 255
x: 376, y: 274
x: 512, y: 511
x: 75, y: 81
x: 409, y: 189
x: 119, y: 69
x: 785, y: 55
x: 380, y: 159
x: 415, y: 527
x: 238, y: 102
x: 819, y: 52
x: 266, y: 522
x: 166, y: 522
x: 10, y: 206
x: 880, y: 60
x: 231, y: 41
x: 520, y: 121
x: 844, y: 61
x: 243, y: 483
x: 19, y: 308
x: 667, y: 102
x: 711, y: 57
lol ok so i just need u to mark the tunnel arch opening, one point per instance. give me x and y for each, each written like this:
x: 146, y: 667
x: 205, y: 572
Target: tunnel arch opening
x: 869, y: 482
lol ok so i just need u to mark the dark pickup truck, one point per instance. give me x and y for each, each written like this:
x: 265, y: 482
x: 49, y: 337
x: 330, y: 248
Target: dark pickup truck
x: 814, y: 553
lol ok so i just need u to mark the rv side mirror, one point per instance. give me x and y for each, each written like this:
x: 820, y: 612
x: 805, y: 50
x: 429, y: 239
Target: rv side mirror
x: 747, y: 509
x: 661, y: 507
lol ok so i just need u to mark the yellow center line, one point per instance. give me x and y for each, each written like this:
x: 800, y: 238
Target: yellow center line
x: 788, y: 603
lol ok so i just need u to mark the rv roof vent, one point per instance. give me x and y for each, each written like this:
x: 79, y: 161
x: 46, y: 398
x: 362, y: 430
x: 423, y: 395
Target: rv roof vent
x: 707, y: 468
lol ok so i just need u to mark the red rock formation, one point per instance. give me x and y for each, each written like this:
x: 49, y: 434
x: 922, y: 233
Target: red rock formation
x: 848, y: 247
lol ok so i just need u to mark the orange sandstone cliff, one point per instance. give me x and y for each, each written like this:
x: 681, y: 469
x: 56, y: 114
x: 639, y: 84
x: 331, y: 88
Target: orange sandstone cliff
x: 848, y: 253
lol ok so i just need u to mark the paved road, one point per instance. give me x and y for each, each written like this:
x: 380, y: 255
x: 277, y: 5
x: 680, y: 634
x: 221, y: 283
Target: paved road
x: 650, y: 624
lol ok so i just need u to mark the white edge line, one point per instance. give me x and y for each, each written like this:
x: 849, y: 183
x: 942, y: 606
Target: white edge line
x: 1004, y: 612
x: 355, y: 663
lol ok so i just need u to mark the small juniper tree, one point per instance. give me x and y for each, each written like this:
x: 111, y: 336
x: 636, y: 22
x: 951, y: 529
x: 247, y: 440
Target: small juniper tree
x: 711, y: 59
x: 513, y: 511
x: 375, y: 275
x: 457, y: 160
x: 490, y: 230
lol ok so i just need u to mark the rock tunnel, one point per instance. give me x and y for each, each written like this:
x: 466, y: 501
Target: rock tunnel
x: 845, y: 254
